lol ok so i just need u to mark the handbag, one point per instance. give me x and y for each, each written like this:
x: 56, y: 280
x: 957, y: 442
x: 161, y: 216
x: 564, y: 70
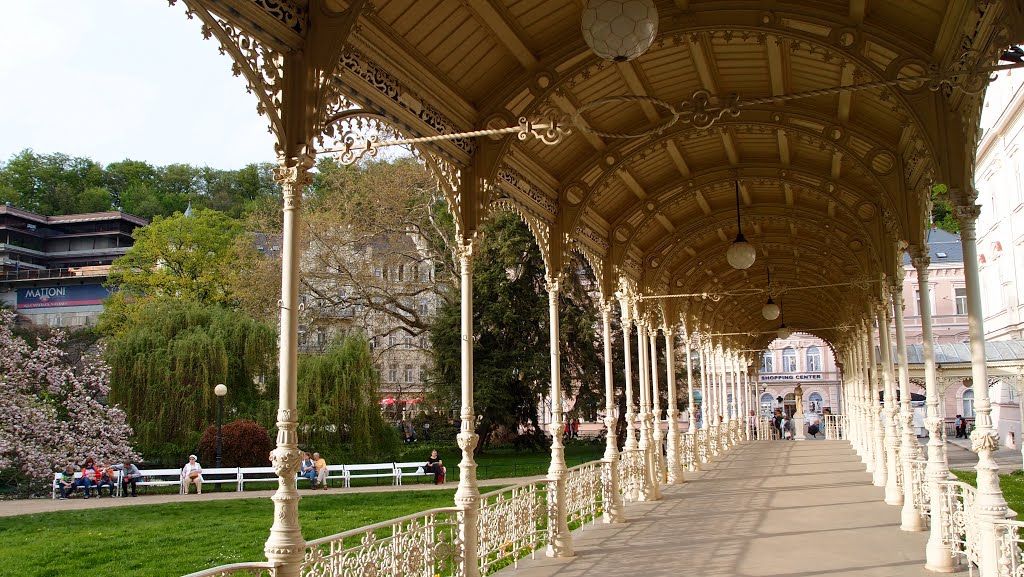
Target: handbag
x: 193, y: 475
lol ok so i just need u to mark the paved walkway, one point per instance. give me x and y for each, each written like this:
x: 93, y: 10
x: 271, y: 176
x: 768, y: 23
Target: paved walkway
x: 77, y: 503
x: 767, y: 509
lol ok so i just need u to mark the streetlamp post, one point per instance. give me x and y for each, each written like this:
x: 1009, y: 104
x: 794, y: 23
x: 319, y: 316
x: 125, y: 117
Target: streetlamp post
x: 220, y: 390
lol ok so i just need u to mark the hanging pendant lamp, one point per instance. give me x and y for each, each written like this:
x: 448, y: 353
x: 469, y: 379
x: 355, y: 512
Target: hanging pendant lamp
x: 770, y: 310
x: 741, y: 254
x: 619, y: 30
x: 783, y: 330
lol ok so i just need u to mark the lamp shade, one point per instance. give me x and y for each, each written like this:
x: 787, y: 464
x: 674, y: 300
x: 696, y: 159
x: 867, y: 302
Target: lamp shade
x: 770, y: 310
x: 784, y: 332
x: 619, y: 30
x: 741, y: 254
x: 220, y: 390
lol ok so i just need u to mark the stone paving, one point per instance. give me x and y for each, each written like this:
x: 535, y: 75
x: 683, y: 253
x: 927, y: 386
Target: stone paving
x: 765, y: 509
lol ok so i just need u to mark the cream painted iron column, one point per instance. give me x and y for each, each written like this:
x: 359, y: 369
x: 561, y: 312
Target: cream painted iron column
x: 937, y: 557
x: 675, y: 470
x: 989, y: 502
x: 467, y: 496
x: 285, y: 546
x: 613, y: 509
x: 910, y: 515
x: 646, y: 490
x: 691, y: 412
x: 893, y: 494
x: 868, y: 411
x: 881, y: 473
x: 657, y: 436
x: 560, y: 544
x: 627, y: 330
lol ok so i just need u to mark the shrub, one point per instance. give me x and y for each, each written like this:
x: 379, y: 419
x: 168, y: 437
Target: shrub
x: 245, y: 444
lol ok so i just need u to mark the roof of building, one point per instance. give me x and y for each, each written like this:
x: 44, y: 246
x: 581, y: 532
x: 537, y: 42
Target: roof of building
x: 950, y: 353
x: 72, y: 218
x: 943, y: 247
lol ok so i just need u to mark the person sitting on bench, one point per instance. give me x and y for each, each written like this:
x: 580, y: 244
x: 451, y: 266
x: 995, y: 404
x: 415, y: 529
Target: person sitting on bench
x: 435, y: 466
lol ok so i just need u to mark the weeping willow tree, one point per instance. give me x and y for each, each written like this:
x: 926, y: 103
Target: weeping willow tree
x: 337, y: 402
x: 165, y: 365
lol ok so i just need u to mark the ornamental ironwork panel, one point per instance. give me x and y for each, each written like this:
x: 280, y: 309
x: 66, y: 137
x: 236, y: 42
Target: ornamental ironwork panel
x: 424, y: 544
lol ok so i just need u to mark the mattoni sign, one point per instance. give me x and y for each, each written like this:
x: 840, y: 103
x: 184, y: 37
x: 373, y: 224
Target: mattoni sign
x: 61, y: 296
x: 793, y: 377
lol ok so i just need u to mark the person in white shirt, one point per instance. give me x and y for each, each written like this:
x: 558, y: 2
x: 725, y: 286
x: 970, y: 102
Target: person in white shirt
x: 191, y: 473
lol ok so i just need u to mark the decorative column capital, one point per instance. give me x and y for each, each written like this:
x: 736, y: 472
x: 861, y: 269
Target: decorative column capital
x: 967, y: 215
x: 920, y: 259
x: 553, y: 281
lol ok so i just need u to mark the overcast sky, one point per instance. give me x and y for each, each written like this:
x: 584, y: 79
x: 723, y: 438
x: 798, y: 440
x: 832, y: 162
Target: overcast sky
x: 116, y: 79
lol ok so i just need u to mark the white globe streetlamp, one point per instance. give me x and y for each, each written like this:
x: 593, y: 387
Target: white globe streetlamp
x: 619, y: 30
x: 741, y: 254
x: 770, y: 310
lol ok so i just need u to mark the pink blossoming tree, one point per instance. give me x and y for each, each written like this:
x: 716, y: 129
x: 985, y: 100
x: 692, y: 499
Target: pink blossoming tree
x: 50, y: 410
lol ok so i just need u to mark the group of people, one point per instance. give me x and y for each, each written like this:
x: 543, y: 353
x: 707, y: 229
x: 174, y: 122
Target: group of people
x: 314, y: 468
x: 572, y: 429
x: 784, y: 426
x: 99, y: 476
x: 960, y: 424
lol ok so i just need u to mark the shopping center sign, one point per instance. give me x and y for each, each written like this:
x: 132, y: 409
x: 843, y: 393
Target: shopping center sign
x: 793, y: 377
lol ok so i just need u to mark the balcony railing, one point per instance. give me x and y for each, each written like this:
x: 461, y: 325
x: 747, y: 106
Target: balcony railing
x: 55, y: 273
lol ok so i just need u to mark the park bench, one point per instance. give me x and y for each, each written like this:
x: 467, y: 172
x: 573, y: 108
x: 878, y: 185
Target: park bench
x: 55, y: 487
x: 411, y: 469
x: 229, y: 475
x: 371, y: 470
x: 255, y: 475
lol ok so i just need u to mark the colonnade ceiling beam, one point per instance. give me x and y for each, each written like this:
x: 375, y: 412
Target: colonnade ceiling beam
x: 495, y: 20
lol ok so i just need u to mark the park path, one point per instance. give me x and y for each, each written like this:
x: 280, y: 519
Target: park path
x: 765, y: 509
x: 77, y: 503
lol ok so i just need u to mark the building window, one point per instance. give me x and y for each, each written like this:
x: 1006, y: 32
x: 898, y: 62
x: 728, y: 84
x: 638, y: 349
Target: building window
x: 766, y: 362
x: 393, y: 373
x: 373, y: 343
x: 408, y: 342
x: 961, y: 300
x: 815, y: 402
x: 968, y: 403
x: 767, y: 403
x: 392, y: 340
x: 408, y: 373
x: 813, y: 359
x: 789, y: 360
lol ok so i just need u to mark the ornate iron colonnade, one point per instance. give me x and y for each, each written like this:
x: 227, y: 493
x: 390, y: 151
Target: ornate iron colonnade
x: 799, y: 111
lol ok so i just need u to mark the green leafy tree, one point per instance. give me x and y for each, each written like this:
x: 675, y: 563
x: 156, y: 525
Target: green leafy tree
x: 165, y: 365
x: 48, y: 183
x: 942, y: 210
x: 95, y: 199
x: 511, y: 351
x: 187, y: 257
x: 337, y: 403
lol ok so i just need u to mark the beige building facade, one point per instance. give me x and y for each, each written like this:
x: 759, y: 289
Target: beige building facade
x: 800, y: 359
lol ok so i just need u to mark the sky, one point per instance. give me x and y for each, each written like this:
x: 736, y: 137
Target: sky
x: 117, y: 79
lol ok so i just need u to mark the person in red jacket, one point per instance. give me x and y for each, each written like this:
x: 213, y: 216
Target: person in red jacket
x: 90, y: 476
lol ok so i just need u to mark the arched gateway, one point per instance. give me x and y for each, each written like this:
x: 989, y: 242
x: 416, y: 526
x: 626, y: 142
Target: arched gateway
x: 817, y: 129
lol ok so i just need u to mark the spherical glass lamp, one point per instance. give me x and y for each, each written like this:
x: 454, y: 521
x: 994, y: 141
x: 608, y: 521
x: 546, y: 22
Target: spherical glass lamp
x: 741, y: 254
x: 770, y: 310
x: 220, y: 390
x: 619, y: 30
x: 784, y: 332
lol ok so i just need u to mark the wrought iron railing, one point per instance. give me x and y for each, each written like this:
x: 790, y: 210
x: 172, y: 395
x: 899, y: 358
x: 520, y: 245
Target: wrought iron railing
x: 631, y: 473
x: 764, y: 429
x: 1011, y: 551
x: 584, y: 500
x: 702, y: 445
x: 835, y: 429
x: 237, y: 570
x: 420, y: 545
x: 919, y: 479
x: 513, y: 523
x: 687, y: 450
x: 960, y: 524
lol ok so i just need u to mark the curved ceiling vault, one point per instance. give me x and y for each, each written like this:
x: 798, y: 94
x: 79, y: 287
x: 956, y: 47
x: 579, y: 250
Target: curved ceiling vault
x: 830, y: 184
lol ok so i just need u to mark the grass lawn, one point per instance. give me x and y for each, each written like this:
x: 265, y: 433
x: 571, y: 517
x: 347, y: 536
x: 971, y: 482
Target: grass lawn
x: 178, y: 538
x: 1012, y: 486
